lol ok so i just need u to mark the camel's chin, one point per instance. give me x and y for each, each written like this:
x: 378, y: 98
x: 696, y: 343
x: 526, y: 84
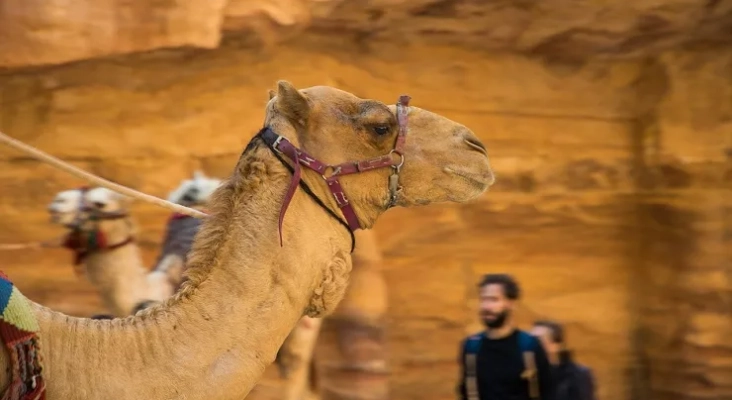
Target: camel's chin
x: 471, y: 195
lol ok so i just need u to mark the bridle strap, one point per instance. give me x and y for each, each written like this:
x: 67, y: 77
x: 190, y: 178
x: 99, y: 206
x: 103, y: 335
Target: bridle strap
x: 304, y: 186
x: 270, y: 137
x: 125, y: 242
x: 279, y: 144
x: 297, y: 156
x: 96, y: 215
x: 74, y: 242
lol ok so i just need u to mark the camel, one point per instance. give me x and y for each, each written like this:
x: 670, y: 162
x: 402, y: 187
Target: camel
x: 101, y: 233
x: 114, y: 283
x: 268, y: 253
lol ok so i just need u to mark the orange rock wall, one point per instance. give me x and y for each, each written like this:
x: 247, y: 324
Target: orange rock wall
x: 609, y: 207
x: 684, y: 287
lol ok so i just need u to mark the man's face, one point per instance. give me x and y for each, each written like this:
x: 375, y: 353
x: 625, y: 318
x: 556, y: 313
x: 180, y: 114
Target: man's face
x: 544, y: 334
x: 495, y: 307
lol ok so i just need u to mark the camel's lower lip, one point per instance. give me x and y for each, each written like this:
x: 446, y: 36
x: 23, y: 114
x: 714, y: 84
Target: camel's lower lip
x: 479, y: 180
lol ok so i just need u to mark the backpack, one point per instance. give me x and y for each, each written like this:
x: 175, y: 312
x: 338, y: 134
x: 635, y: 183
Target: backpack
x: 526, y: 344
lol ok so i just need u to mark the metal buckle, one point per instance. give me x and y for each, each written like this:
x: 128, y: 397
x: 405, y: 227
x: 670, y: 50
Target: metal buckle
x: 276, y: 143
x: 336, y: 172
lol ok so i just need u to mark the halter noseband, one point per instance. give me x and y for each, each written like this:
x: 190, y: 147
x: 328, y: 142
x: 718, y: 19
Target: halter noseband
x: 279, y: 144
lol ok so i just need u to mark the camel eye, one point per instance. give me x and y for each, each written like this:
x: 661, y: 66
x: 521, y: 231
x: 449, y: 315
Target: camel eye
x: 381, y: 130
x: 99, y: 204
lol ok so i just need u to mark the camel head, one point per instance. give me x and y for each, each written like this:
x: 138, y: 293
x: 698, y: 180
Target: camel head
x: 106, y: 211
x: 194, y: 192
x: 442, y: 159
x: 96, y: 219
x: 65, y: 207
x: 100, y: 214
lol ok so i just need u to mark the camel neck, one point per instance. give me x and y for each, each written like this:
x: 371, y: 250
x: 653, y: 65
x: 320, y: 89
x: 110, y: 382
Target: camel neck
x: 119, y: 275
x: 245, y: 294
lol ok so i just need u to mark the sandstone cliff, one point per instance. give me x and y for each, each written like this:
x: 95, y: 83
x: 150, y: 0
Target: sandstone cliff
x: 36, y: 32
x: 609, y: 125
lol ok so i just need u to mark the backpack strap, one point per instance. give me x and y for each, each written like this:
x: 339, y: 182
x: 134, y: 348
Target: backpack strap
x: 472, y: 346
x: 527, y: 346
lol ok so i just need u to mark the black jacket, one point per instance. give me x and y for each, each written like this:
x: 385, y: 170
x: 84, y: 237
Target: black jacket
x: 572, y: 381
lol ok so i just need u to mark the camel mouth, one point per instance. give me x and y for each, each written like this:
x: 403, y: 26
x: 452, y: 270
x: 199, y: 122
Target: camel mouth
x: 480, y: 180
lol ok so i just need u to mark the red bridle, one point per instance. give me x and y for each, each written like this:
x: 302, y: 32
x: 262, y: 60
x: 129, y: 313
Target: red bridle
x: 283, y: 146
x: 80, y: 242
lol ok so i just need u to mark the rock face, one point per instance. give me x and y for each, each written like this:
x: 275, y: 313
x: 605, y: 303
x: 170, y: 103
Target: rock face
x: 34, y: 32
x: 612, y: 204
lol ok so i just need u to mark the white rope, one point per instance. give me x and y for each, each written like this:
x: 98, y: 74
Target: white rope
x: 41, y: 156
x: 21, y: 246
x: 32, y: 245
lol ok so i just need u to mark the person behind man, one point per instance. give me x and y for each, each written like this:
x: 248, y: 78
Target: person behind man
x: 502, y: 362
x: 572, y: 381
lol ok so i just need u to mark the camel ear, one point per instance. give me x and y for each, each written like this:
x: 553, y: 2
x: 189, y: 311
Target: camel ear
x: 292, y: 103
x: 272, y: 93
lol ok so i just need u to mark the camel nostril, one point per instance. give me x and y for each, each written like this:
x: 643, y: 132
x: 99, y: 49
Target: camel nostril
x: 476, y: 144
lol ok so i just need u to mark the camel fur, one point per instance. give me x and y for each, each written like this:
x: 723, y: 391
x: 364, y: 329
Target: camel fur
x: 354, y: 362
x: 245, y: 291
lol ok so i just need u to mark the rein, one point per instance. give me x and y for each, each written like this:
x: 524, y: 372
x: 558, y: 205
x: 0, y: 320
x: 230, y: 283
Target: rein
x: 280, y: 145
x: 31, y: 245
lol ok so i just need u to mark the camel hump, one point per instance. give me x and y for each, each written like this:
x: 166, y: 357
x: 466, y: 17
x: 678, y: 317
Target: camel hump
x: 19, y: 334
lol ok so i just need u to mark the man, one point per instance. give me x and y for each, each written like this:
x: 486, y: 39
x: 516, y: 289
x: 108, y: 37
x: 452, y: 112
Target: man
x: 502, y: 362
x: 572, y: 381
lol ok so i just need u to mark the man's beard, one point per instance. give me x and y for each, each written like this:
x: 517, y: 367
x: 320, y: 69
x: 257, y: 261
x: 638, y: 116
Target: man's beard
x: 498, y: 321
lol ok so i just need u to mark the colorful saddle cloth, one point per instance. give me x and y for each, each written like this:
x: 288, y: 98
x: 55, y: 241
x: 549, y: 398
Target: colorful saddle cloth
x: 19, y: 333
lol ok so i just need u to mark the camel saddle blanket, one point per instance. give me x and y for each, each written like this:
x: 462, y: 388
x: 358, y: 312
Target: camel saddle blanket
x: 19, y: 333
x: 180, y: 232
